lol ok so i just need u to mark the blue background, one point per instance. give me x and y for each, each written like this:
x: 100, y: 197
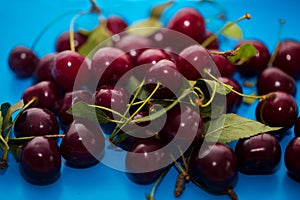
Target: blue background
x: 21, y: 22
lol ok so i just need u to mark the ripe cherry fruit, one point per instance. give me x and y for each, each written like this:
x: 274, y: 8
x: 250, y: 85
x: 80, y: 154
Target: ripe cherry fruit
x: 291, y: 158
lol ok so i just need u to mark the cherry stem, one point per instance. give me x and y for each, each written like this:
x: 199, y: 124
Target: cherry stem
x: 262, y: 97
x: 281, y: 22
x: 135, y: 97
x: 46, y: 28
x: 157, y: 182
x: 211, y: 98
x: 227, y: 26
x: 232, y: 194
x: 31, y: 137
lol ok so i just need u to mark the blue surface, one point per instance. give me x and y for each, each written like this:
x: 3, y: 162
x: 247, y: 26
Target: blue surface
x: 21, y: 21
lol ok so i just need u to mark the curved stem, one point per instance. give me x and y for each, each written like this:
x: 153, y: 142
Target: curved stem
x: 211, y: 98
x: 272, y: 59
x: 156, y: 184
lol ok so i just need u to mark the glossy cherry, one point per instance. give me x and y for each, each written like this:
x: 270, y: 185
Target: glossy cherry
x: 297, y: 127
x: 189, y: 22
x: 259, y: 154
x: 109, y: 64
x: 63, y: 41
x: 22, y: 61
x: 273, y: 79
x: 214, y: 167
x: 36, y: 122
x: 193, y: 60
x: 40, y: 161
x: 43, y: 71
x: 255, y: 65
x: 48, y: 94
x: 115, y: 24
x: 287, y: 58
x: 225, y: 67
x: 291, y: 158
x: 275, y: 105
x: 83, y: 144
x: 166, y: 73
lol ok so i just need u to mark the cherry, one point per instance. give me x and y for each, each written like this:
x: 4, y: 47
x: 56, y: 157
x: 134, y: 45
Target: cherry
x: 113, y: 98
x: 43, y: 71
x: 277, y: 104
x: 66, y: 67
x: 214, y: 167
x: 63, y: 41
x: 146, y: 162
x: 69, y: 99
x: 297, y: 127
x: 233, y: 100
x: 36, y: 122
x: 166, y: 73
x: 225, y: 67
x: 259, y: 154
x: 40, y: 161
x: 291, y: 158
x: 273, y: 79
x: 184, y: 123
x: 83, y: 144
x: 193, y: 60
x: 48, y: 94
x: 214, y: 44
x: 109, y: 64
x: 115, y: 24
x: 133, y: 45
x: 152, y: 56
x: 287, y: 58
x: 256, y: 64
x: 22, y: 61
x: 190, y: 22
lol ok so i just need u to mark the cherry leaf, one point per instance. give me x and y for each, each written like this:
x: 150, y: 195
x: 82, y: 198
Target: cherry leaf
x: 230, y: 127
x: 233, y: 31
x: 7, y: 120
x: 242, y: 54
x: 158, y: 10
x: 145, y: 28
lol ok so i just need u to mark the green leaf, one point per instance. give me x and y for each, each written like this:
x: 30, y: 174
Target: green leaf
x: 232, y: 127
x: 145, y: 28
x: 233, y: 31
x: 90, y: 112
x: 15, y: 148
x: 242, y: 54
x: 220, y: 87
x: 133, y: 84
x: 7, y: 120
x: 4, y: 108
x: 158, y: 10
x: 97, y: 36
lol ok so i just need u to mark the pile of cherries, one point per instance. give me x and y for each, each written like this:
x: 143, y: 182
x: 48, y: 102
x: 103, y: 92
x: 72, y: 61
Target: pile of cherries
x: 83, y: 142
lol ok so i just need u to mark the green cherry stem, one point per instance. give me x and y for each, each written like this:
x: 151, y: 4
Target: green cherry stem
x: 135, y: 97
x: 281, y: 22
x: 227, y: 26
x: 156, y: 184
x: 31, y: 137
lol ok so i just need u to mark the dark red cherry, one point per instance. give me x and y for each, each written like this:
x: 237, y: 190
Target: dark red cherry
x: 43, y: 71
x: 146, y: 162
x: 151, y: 56
x: 83, y: 144
x: 278, y: 110
x: 63, y: 41
x: 184, y: 125
x: 22, y: 61
x: 233, y: 100
x: 259, y: 154
x: 189, y: 22
x: 133, y: 45
x: 291, y: 158
x: 193, y: 60
x: 109, y: 64
x: 297, y: 127
x: 48, y: 94
x: 166, y: 73
x: 273, y: 79
x: 255, y: 65
x: 113, y: 98
x: 40, y: 161
x: 69, y: 99
x: 287, y: 58
x: 214, y: 167
x: 36, y: 122
x: 115, y: 24
x: 225, y: 67
x: 66, y: 67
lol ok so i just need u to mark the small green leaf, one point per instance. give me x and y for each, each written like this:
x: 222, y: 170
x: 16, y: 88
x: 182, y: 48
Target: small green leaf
x: 98, y: 35
x: 7, y: 120
x: 4, y: 108
x: 220, y: 87
x: 90, y: 112
x: 133, y: 84
x: 233, y: 31
x: 243, y: 53
x: 232, y: 127
x: 158, y: 10
x: 145, y: 28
